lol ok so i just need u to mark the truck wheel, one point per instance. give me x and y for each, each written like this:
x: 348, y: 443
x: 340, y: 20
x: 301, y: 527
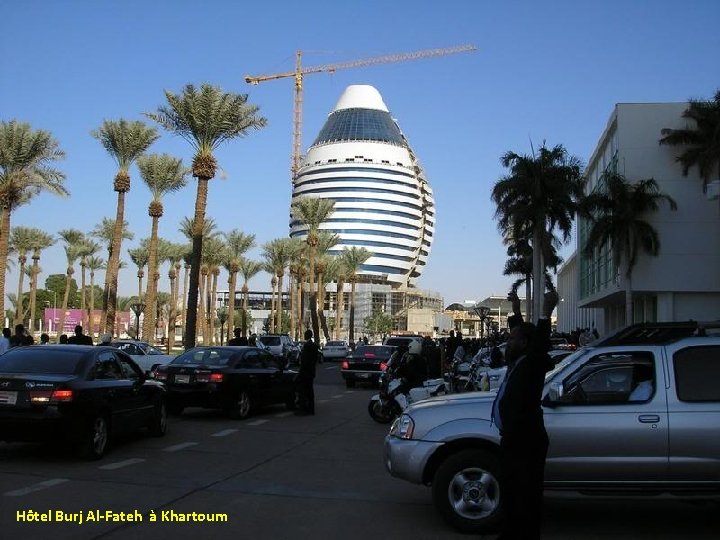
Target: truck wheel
x: 466, y: 491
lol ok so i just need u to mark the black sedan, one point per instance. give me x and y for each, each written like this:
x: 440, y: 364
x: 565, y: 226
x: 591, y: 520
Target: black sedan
x: 78, y: 393
x: 237, y: 380
x: 365, y: 364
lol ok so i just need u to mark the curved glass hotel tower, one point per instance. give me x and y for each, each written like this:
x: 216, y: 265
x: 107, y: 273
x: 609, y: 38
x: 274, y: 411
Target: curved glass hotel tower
x: 383, y: 202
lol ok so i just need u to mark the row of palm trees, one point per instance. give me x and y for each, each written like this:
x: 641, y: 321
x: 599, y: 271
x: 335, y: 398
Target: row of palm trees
x: 540, y: 196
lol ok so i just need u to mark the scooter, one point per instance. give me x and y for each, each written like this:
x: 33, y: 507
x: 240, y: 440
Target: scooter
x: 390, y: 402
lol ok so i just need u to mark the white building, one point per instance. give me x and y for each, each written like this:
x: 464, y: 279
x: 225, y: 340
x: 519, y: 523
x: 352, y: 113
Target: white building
x: 383, y: 202
x: 683, y: 282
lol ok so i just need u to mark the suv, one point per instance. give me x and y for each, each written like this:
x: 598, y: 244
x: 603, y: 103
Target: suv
x: 281, y: 346
x: 638, y: 412
x: 399, y: 341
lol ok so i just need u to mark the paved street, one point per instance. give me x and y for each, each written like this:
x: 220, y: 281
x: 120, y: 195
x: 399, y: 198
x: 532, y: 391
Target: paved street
x: 276, y: 475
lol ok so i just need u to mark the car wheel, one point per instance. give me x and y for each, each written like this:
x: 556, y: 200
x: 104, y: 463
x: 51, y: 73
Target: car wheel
x: 466, y: 491
x: 350, y: 383
x: 241, y: 407
x: 158, y: 423
x: 96, y: 437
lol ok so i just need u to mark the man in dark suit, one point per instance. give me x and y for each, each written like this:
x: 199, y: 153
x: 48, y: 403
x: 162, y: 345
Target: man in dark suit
x: 306, y: 376
x: 519, y: 417
x: 79, y: 338
x: 239, y: 339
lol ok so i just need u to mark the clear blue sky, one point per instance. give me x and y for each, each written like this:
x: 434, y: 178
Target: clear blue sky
x: 544, y: 71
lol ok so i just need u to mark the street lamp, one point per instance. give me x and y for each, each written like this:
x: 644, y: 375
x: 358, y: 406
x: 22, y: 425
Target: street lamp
x: 223, y: 316
x: 137, y: 309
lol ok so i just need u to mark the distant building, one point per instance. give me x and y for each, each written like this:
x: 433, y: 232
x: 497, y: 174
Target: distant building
x: 683, y: 282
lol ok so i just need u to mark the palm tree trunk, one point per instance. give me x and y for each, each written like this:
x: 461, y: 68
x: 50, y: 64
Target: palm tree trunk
x: 339, y: 307
x: 352, y: 311
x: 66, y: 297
x: 200, y: 306
x: 4, y: 246
x: 291, y: 306
x: 151, y: 293
x: 83, y: 303
x: 197, y: 243
x: 245, y: 291
x: 279, y: 313
x: 111, y: 278
x: 92, y: 300
x: 172, y: 316
x: 211, y: 311
x: 19, y: 303
x: 232, y: 283
x: 273, y: 284
x: 33, y: 292
x: 538, y: 273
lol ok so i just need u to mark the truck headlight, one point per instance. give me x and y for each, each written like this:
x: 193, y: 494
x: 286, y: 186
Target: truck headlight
x: 403, y: 427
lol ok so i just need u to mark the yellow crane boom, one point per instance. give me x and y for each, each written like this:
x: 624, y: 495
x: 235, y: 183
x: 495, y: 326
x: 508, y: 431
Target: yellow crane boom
x: 300, y: 71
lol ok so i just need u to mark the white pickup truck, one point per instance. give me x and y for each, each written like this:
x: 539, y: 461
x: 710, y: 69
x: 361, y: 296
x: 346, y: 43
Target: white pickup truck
x: 639, y: 411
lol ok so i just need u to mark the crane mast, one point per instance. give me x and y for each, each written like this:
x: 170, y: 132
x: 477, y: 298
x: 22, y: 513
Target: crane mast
x: 299, y: 72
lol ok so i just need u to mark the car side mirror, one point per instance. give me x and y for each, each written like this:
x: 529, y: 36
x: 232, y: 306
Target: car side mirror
x: 555, y: 393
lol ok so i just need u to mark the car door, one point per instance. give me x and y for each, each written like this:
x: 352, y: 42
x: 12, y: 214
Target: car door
x: 142, y: 401
x: 114, y: 389
x: 596, y: 433
x: 254, y: 375
x: 279, y: 388
x: 694, y: 411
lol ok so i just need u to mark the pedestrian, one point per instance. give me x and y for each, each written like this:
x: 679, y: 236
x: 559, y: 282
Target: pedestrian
x: 519, y: 417
x: 79, y: 338
x: 5, y: 340
x: 239, y: 339
x: 306, y: 376
x: 44, y: 339
x: 63, y: 339
x: 21, y: 338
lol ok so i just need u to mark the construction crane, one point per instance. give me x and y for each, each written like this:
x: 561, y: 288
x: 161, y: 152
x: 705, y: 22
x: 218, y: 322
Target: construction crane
x: 299, y: 72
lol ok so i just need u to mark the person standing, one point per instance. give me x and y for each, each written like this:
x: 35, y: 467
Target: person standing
x: 239, y: 339
x: 519, y: 417
x: 44, y: 339
x: 79, y: 338
x: 5, y: 340
x: 21, y: 338
x: 306, y: 376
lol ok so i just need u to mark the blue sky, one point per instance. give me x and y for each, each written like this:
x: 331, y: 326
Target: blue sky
x: 544, y: 71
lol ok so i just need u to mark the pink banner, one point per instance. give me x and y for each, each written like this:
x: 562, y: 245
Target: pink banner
x: 73, y: 317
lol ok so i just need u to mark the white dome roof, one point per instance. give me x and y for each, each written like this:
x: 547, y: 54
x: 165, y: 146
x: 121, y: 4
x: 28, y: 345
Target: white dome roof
x: 360, y: 96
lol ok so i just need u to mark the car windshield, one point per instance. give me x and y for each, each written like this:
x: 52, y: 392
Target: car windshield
x: 562, y: 364
x: 41, y: 360
x: 270, y: 341
x: 205, y: 357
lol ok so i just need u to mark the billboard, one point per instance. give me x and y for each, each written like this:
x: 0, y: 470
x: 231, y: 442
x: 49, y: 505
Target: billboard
x: 74, y: 316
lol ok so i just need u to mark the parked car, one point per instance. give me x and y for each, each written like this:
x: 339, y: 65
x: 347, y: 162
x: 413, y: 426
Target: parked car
x: 606, y: 432
x: 238, y: 380
x: 281, y: 346
x: 400, y: 341
x: 145, y: 355
x: 561, y: 344
x: 77, y: 393
x: 365, y: 364
x: 335, y: 350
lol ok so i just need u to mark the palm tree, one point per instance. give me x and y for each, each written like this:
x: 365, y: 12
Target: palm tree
x: 540, y: 195
x: 278, y: 254
x: 140, y: 257
x: 312, y: 212
x: 125, y: 141
x: 175, y: 254
x: 93, y: 264
x: 206, y: 118
x: 21, y: 242
x: 104, y: 231
x: 326, y: 241
x: 618, y: 211
x: 87, y: 248
x: 702, y: 142
x: 248, y: 269
x: 73, y: 240
x: 237, y: 243
x: 340, y: 295
x: 298, y: 257
x: 40, y: 241
x: 162, y: 174
x: 353, y: 259
x: 213, y: 256
x: 26, y: 159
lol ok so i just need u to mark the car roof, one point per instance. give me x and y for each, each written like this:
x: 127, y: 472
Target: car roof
x: 659, y: 333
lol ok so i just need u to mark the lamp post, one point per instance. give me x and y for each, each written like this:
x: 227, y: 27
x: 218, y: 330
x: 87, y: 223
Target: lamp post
x: 137, y: 309
x: 223, y: 316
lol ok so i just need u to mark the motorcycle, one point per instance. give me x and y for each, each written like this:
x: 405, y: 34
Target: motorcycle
x: 391, y: 401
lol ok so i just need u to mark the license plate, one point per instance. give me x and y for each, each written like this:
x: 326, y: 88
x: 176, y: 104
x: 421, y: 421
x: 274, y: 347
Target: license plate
x: 363, y: 375
x: 182, y: 379
x: 8, y: 398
